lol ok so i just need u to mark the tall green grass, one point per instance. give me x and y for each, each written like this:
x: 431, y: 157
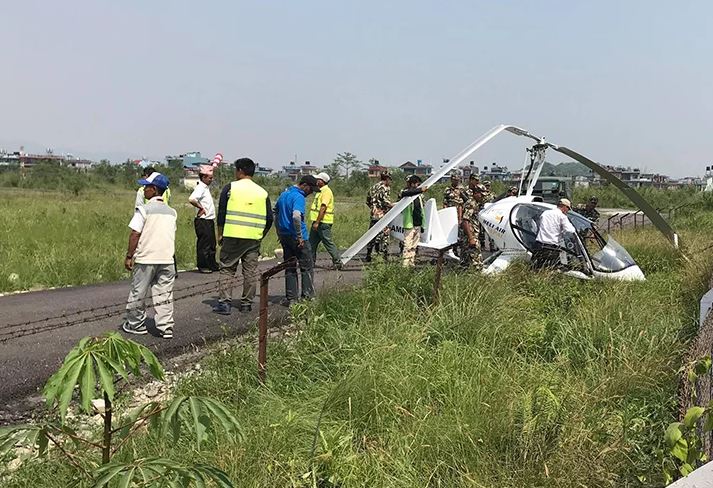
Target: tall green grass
x: 53, y: 238
x: 517, y: 380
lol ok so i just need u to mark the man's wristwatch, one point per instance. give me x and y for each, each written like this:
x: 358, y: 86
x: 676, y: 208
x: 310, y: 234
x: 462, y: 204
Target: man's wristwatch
x: 129, y: 256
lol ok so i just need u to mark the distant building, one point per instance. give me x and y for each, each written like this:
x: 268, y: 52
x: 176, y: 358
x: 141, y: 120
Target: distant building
x: 293, y: 172
x: 468, y: 169
x: 25, y: 160
x: 495, y: 173
x: 374, y: 170
x: 188, y: 160
x: 418, y: 169
x: 263, y: 171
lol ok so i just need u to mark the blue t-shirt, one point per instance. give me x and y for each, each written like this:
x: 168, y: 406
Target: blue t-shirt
x: 290, y: 200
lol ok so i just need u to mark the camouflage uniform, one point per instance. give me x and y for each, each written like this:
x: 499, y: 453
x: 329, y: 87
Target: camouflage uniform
x: 453, y: 197
x: 592, y: 214
x: 379, y: 201
x: 470, y: 255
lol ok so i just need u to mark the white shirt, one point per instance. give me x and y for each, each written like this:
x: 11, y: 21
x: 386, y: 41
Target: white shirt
x: 202, y: 196
x: 553, y: 225
x: 139, y: 197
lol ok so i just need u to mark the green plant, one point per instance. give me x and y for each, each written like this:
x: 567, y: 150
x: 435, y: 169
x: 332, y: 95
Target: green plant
x: 685, y: 439
x: 100, y: 362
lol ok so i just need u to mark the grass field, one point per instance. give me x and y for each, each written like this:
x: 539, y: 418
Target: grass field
x: 519, y: 380
x: 57, y: 239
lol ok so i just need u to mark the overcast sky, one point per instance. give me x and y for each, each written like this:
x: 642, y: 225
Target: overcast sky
x: 621, y: 81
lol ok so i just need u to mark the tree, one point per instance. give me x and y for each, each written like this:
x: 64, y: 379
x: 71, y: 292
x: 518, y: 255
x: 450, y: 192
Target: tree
x: 333, y: 169
x: 348, y: 161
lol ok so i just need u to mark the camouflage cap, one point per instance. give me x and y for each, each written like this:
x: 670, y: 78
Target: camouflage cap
x: 486, y: 183
x: 594, y: 199
x: 474, y: 176
x: 480, y: 189
x: 385, y: 174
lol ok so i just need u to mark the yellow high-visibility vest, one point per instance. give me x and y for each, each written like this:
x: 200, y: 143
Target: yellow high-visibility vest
x: 325, y: 194
x: 246, y: 213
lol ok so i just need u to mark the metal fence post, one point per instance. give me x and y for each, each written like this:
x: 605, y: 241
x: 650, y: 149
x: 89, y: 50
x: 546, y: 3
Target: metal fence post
x: 262, y: 321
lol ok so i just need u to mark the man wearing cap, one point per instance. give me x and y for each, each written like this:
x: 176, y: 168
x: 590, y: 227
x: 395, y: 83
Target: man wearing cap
x: 469, y: 232
x: 554, y: 226
x: 204, y: 222
x: 244, y: 217
x: 321, y: 215
x: 140, y: 199
x: 412, y: 219
x: 150, y: 259
x: 453, y: 196
x: 379, y: 202
x: 290, y: 210
x: 589, y: 210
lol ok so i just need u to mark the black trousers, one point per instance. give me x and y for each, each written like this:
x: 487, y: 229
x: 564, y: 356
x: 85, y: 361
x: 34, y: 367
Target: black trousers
x: 205, y: 245
x: 545, y: 256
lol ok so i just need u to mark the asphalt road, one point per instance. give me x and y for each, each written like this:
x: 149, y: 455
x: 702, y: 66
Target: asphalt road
x: 27, y: 361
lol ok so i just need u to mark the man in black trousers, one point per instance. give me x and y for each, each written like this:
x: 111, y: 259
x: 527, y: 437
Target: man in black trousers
x: 205, y: 220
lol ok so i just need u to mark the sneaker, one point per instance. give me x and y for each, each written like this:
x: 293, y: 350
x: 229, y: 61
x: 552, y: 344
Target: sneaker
x: 245, y: 307
x: 222, y: 309
x: 286, y: 302
x: 139, y: 330
x: 167, y: 334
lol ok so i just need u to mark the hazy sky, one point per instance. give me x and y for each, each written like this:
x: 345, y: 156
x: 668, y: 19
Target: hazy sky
x: 620, y: 81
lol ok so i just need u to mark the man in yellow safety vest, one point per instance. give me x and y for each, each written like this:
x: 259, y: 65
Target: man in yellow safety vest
x: 321, y: 215
x: 244, y: 217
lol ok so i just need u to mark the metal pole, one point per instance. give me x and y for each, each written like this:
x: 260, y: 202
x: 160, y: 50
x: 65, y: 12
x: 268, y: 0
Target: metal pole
x: 437, y: 279
x: 262, y: 322
x: 262, y: 333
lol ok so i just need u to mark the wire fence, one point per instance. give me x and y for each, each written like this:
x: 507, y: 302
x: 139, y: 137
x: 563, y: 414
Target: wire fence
x: 64, y: 320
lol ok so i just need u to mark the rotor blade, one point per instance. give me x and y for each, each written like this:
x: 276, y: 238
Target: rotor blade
x: 637, y: 199
x: 404, y: 202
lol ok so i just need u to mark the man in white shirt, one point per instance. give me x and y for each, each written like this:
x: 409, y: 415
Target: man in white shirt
x: 554, y: 225
x: 204, y: 222
x: 149, y: 257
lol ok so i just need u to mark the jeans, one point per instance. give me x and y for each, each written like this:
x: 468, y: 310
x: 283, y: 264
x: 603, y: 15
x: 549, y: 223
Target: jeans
x: 158, y: 279
x: 323, y: 234
x: 304, y: 260
x: 232, y: 252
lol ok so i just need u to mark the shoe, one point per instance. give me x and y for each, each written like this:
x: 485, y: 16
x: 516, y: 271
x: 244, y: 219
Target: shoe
x: 286, y: 302
x: 338, y: 266
x: 205, y: 270
x: 139, y: 330
x: 222, y: 309
x: 245, y: 307
x: 367, y: 259
x: 167, y: 334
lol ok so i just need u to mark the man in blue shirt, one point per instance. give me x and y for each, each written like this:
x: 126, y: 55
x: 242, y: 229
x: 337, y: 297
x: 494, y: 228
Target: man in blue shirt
x: 290, y: 210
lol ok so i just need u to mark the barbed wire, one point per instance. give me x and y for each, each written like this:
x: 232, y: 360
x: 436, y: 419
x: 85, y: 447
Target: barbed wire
x: 89, y: 315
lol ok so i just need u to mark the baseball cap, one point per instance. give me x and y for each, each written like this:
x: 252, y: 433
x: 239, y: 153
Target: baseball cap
x: 565, y: 202
x: 311, y: 181
x: 155, y: 179
x: 323, y: 176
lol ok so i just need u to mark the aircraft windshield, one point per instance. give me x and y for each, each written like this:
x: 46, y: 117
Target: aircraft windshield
x: 607, y: 256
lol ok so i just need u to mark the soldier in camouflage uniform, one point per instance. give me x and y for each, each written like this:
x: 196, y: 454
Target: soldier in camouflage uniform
x: 453, y: 196
x: 468, y: 239
x: 488, y: 196
x: 589, y: 210
x: 379, y: 202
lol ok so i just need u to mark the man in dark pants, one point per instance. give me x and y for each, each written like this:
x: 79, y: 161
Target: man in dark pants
x: 204, y: 222
x: 244, y: 217
x: 290, y: 211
